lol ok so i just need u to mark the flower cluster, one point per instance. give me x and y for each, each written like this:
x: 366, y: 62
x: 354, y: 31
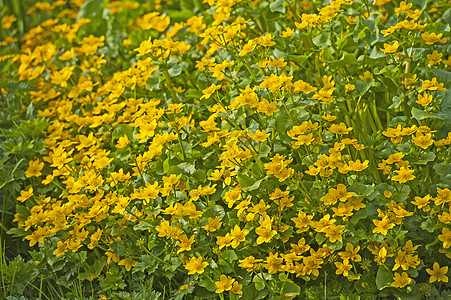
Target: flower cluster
x: 239, y: 148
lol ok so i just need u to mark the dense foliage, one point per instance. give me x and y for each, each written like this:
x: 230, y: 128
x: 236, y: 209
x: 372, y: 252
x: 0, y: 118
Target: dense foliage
x: 225, y: 149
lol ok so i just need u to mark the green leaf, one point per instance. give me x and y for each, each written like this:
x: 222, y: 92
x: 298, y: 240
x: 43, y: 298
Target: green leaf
x: 443, y: 169
x: 363, y: 87
x: 320, y: 238
x: 359, y: 215
x: 146, y: 263
x: 429, y: 225
x: 180, y: 15
x: 248, y: 183
x: 260, y: 280
x: 442, y: 76
x: 121, y: 130
x: 229, y: 256
x: 420, y: 114
x: 250, y: 292
x: 288, y: 289
x: 176, y: 67
x: 384, y: 277
x: 446, y: 109
x: 153, y: 83
x: 321, y: 41
x: 277, y: 6
x: 193, y: 93
x: 396, y: 102
x: 143, y: 226
x: 297, y: 58
x: 200, y: 175
x: 347, y: 59
x: 187, y: 168
x: 89, y: 9
x: 283, y: 122
x: 424, y: 158
x: 447, y: 16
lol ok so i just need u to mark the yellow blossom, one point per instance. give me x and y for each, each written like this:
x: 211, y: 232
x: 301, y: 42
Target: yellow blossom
x: 390, y: 48
x: 195, y: 265
x: 34, y: 168
x: 434, y: 58
x: 128, y: 263
x: 401, y: 281
x: 225, y: 283
x: 438, y: 274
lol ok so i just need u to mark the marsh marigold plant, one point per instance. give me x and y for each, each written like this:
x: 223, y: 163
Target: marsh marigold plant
x: 234, y: 149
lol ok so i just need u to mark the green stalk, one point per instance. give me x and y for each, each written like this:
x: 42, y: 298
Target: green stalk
x: 181, y: 146
x: 170, y: 86
x: 377, y: 120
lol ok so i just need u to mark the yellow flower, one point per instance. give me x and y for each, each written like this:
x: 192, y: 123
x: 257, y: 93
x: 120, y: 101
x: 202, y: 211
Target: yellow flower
x: 95, y: 238
x: 277, y: 63
x: 249, y: 47
x: 213, y: 224
x: 238, y: 235
x: 349, y: 87
x: 340, y: 128
x: 250, y: 263
x: 67, y: 55
x: 236, y: 288
x: 210, y: 90
x: 122, y: 142
x: 383, y: 226
x: 414, y: 14
x: 366, y: 75
x: 259, y: 135
x: 445, y: 238
x: 224, y: 241
x: 390, y: 48
x: 278, y: 167
x: 351, y: 253
x: 61, y: 248
x: 432, y: 85
x: 357, y: 165
x: 343, y: 268
x: 62, y: 77
x: 7, y: 21
x: 401, y: 281
x: 195, y: 265
x: 437, y: 274
x: 431, y: 38
x: 351, y: 19
x: 225, y: 283
x: 422, y: 202
x: 34, y: 168
x: 403, y: 7
x: 443, y: 196
x: 404, y: 175
x: 267, y: 108
x: 265, y: 234
x: 126, y: 42
x: 434, y: 58
x: 36, y: 237
x: 423, y: 140
x: 273, y: 263
x: 329, y: 117
x: 302, y: 221
x: 266, y: 40
x: 287, y: 32
x: 333, y: 232
x: 24, y: 195
x: 424, y: 99
x: 128, y: 263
